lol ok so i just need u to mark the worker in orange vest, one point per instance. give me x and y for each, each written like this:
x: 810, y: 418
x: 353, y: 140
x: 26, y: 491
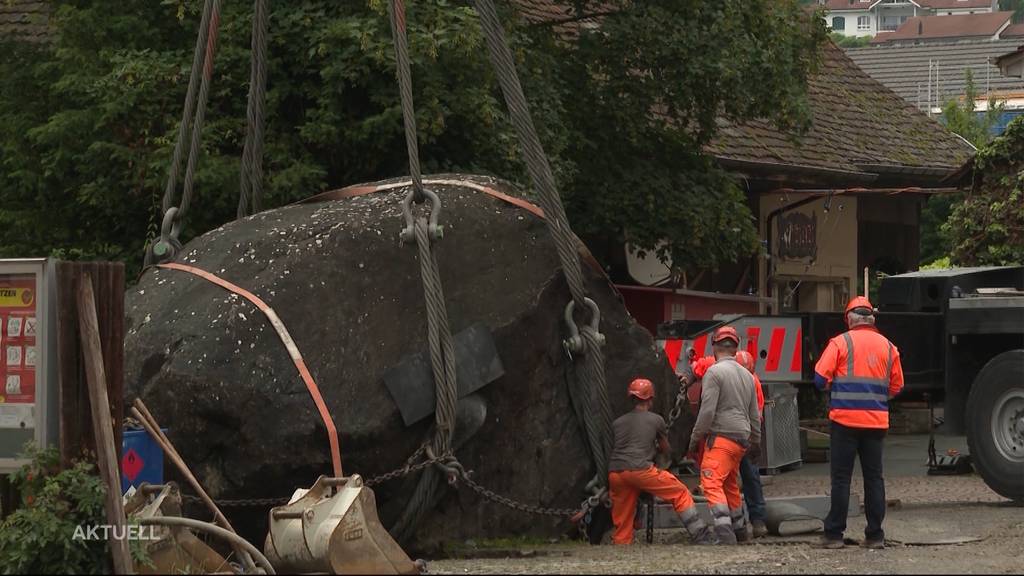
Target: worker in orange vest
x: 728, y: 423
x: 861, y: 370
x: 753, y: 492
x: 631, y: 470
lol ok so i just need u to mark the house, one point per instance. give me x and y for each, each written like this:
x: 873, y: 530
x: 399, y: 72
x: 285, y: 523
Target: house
x: 1011, y: 64
x: 845, y: 196
x: 924, y: 29
x: 25, y: 20
x: 870, y: 17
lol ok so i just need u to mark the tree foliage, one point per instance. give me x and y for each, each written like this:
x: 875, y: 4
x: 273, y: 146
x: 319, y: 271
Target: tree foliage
x: 961, y: 115
x: 38, y: 537
x: 987, y: 228
x: 87, y: 125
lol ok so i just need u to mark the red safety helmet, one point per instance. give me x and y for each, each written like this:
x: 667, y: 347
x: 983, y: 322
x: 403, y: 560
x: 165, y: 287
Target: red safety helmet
x: 860, y: 302
x: 641, y: 389
x: 725, y: 332
x: 746, y: 359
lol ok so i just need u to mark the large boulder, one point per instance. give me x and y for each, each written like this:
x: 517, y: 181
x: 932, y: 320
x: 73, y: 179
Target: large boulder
x: 212, y: 369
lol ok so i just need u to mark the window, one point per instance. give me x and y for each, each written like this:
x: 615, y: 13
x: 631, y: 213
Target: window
x: 863, y: 22
x: 839, y: 23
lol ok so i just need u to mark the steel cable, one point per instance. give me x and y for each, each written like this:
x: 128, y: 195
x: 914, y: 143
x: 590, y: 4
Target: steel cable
x: 593, y: 376
x: 250, y: 196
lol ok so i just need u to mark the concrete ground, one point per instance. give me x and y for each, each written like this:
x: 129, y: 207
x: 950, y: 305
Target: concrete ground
x: 926, y: 510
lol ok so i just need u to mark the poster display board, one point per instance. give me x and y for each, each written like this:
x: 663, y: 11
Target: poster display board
x: 26, y: 395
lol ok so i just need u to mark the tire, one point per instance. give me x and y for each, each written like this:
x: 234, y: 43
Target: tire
x: 995, y: 424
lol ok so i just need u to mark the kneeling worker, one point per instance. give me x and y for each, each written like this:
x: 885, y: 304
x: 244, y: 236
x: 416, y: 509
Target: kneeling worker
x: 631, y: 470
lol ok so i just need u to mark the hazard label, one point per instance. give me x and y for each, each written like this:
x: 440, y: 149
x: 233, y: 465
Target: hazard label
x: 14, y: 327
x: 30, y: 326
x: 131, y: 465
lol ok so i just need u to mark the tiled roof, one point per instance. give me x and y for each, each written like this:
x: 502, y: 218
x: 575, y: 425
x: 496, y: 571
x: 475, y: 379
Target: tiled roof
x: 905, y: 69
x: 1013, y: 31
x: 858, y: 126
x: 944, y: 27
x: 25, y: 20
x: 946, y: 4
x: 833, y: 5
x: 933, y: 4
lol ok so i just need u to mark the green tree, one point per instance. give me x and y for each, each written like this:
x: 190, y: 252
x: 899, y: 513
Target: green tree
x: 1016, y: 6
x: 87, y: 125
x: 987, y: 228
x: 961, y: 115
x: 844, y: 41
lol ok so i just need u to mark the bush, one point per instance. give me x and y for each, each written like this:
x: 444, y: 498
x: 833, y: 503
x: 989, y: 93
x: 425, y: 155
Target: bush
x: 38, y: 538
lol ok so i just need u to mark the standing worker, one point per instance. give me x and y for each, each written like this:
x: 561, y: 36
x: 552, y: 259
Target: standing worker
x: 638, y: 434
x: 753, y: 492
x: 729, y: 424
x: 861, y: 370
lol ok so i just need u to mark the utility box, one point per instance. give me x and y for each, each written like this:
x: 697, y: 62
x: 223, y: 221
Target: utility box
x: 780, y: 430
x: 28, y: 358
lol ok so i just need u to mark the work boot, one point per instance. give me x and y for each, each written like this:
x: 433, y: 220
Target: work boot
x: 725, y: 534
x: 745, y: 534
x: 874, y: 544
x: 760, y: 530
x: 831, y: 543
x: 705, y: 537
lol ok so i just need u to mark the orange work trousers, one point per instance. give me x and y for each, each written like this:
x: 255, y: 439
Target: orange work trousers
x: 625, y: 487
x: 719, y: 469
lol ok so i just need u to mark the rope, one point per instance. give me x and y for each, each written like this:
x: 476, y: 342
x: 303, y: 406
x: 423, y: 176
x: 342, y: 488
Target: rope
x: 598, y: 416
x: 251, y: 185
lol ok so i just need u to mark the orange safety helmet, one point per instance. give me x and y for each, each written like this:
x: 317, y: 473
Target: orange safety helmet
x: 859, y: 302
x: 725, y: 332
x: 641, y: 389
x: 746, y: 359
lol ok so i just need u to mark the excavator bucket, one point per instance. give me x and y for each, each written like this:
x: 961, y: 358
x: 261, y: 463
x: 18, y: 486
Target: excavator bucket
x: 333, y: 527
x: 174, y: 550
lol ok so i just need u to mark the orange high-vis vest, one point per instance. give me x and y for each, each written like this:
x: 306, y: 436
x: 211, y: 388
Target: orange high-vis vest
x: 861, y: 369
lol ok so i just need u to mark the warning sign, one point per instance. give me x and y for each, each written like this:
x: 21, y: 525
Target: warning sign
x: 18, y: 331
x: 131, y: 464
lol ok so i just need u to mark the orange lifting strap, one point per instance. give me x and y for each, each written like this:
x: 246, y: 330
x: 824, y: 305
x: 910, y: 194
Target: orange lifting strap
x: 293, y: 351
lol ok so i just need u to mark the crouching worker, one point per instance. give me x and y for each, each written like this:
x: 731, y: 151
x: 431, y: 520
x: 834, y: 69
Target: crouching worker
x: 638, y: 435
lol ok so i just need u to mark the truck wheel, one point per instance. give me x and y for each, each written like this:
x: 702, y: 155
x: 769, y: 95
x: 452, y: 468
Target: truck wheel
x: 995, y: 424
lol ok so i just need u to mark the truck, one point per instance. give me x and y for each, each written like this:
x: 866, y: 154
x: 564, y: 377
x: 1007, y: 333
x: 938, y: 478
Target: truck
x: 960, y: 333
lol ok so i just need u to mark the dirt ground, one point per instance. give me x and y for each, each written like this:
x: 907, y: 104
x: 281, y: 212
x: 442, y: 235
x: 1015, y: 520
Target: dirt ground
x: 924, y: 510
x: 1001, y: 527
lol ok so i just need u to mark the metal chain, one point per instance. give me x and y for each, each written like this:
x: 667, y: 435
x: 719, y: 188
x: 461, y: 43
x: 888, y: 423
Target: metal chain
x: 240, y: 503
x: 251, y: 184
x: 681, y: 400
x: 513, y: 504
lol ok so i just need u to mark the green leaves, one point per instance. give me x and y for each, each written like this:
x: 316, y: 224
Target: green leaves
x: 87, y: 125
x: 38, y: 538
x: 987, y: 228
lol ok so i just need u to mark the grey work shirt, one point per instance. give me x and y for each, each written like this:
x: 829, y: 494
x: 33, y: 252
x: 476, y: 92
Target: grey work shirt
x: 728, y: 404
x: 635, y: 435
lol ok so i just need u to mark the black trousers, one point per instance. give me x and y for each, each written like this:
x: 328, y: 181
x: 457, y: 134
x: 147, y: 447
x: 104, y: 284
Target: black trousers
x: 846, y: 444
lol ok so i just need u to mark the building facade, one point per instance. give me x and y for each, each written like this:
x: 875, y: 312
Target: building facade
x: 872, y: 17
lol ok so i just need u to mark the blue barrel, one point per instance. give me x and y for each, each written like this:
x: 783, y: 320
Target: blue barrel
x: 142, y: 460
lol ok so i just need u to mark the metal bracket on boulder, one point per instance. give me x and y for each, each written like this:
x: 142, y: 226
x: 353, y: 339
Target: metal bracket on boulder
x: 333, y: 528
x: 411, y: 382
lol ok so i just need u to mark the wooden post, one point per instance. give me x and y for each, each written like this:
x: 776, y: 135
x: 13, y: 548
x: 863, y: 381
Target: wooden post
x: 103, y: 426
x: 76, y: 432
